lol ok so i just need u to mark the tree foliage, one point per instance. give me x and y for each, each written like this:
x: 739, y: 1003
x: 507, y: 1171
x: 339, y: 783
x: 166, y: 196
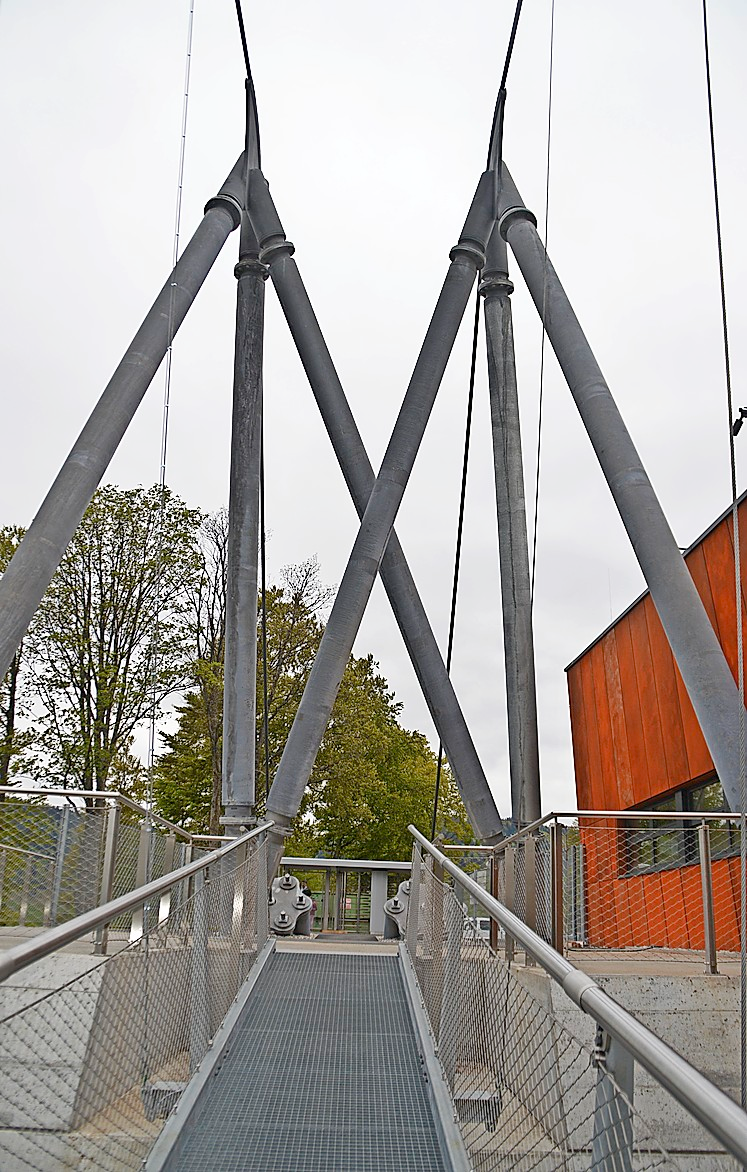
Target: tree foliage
x: 371, y: 777
x: 109, y: 640
x: 12, y: 739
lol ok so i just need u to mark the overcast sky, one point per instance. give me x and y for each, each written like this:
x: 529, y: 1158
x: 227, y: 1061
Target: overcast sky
x: 374, y: 120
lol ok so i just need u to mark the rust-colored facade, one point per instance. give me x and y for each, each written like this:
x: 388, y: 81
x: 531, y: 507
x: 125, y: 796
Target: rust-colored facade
x: 636, y: 741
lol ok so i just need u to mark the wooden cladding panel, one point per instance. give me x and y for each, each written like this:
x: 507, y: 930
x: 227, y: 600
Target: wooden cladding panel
x: 635, y: 733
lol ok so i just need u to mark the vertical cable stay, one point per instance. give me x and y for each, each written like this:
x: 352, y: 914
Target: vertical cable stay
x: 495, y: 159
x: 165, y: 412
x: 737, y: 573
x: 460, y: 532
x: 544, y: 308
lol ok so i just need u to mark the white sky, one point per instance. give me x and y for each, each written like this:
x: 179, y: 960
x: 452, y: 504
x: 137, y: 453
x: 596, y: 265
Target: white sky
x: 375, y: 119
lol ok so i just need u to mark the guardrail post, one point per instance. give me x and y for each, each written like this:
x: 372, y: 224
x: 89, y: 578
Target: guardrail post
x: 199, y: 1015
x: 164, y: 907
x: 706, y: 880
x: 262, y: 910
x: 450, y: 1015
x: 237, y: 914
x: 413, y: 903
x: 378, y: 899
x: 494, y: 870
x: 339, y: 896
x: 530, y: 889
x: 612, y: 1142
x: 111, y: 839
x: 509, y: 896
x: 557, y: 918
x: 59, y: 862
x: 24, y: 907
x: 325, y: 917
x: 141, y: 878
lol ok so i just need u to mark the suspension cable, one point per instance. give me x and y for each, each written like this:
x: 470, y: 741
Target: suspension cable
x: 737, y: 574
x: 495, y: 158
x: 460, y: 531
x: 165, y: 417
x: 544, y: 309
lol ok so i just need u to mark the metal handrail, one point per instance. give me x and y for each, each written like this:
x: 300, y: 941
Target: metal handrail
x: 722, y: 1117
x: 50, y: 941
x: 8, y: 846
x: 102, y: 795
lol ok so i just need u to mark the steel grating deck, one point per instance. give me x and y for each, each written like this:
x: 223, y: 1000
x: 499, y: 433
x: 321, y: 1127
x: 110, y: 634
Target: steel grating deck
x: 322, y: 1073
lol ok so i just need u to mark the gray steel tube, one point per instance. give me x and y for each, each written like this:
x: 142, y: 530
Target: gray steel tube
x: 359, y: 477
x: 699, y: 656
x: 368, y: 550
x: 711, y: 1106
x: 240, y: 669
x: 516, y: 600
x: 31, y: 569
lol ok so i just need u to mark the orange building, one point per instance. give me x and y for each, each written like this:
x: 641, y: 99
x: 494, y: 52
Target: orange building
x: 637, y: 745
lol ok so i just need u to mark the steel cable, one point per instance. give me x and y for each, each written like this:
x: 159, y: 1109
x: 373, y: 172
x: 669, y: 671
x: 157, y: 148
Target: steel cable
x: 737, y: 572
x: 495, y: 158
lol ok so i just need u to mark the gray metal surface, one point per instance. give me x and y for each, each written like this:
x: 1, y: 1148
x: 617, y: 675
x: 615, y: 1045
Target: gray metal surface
x: 516, y: 599
x: 240, y: 673
x: 314, y: 710
x: 694, y: 644
x: 323, y: 1072
x: 355, y: 465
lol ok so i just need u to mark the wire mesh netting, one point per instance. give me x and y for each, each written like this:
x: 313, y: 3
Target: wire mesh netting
x: 631, y: 881
x: 528, y: 1094
x: 90, y: 1070
x: 52, y: 859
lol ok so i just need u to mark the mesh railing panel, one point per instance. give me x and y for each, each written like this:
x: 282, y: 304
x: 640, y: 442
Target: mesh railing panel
x: 629, y: 882
x: 528, y: 1094
x: 52, y: 861
x: 89, y: 1071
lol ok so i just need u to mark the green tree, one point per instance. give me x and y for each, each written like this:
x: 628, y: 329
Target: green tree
x: 110, y: 638
x: 12, y: 707
x: 371, y: 777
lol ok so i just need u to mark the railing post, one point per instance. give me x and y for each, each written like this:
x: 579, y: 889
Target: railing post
x: 262, y: 910
x: 376, y: 916
x: 509, y: 896
x: 141, y: 878
x: 24, y: 907
x: 450, y: 1015
x: 494, y: 869
x: 111, y: 839
x: 199, y: 1015
x: 325, y: 918
x: 706, y: 880
x: 612, y: 1142
x: 339, y: 897
x: 164, y: 907
x: 557, y: 918
x: 49, y: 888
x: 59, y: 863
x: 3, y: 858
x: 237, y: 915
x: 530, y: 893
x: 413, y: 903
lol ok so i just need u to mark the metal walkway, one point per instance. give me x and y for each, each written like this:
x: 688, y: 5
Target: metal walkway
x: 322, y: 1072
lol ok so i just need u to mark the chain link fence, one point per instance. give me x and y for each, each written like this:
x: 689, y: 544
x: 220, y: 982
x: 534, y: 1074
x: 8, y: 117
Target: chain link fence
x: 90, y: 1070
x: 627, y: 880
x: 60, y: 857
x: 528, y: 1094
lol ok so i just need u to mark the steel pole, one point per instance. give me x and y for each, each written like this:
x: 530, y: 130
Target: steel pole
x: 359, y: 476
x: 240, y: 671
x: 31, y: 569
x: 516, y: 595
x: 368, y: 550
x: 700, y: 658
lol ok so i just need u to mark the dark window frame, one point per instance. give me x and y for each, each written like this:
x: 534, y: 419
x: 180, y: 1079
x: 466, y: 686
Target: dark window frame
x: 638, y: 837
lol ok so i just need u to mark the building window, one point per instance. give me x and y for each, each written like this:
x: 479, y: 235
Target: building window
x: 651, y: 844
